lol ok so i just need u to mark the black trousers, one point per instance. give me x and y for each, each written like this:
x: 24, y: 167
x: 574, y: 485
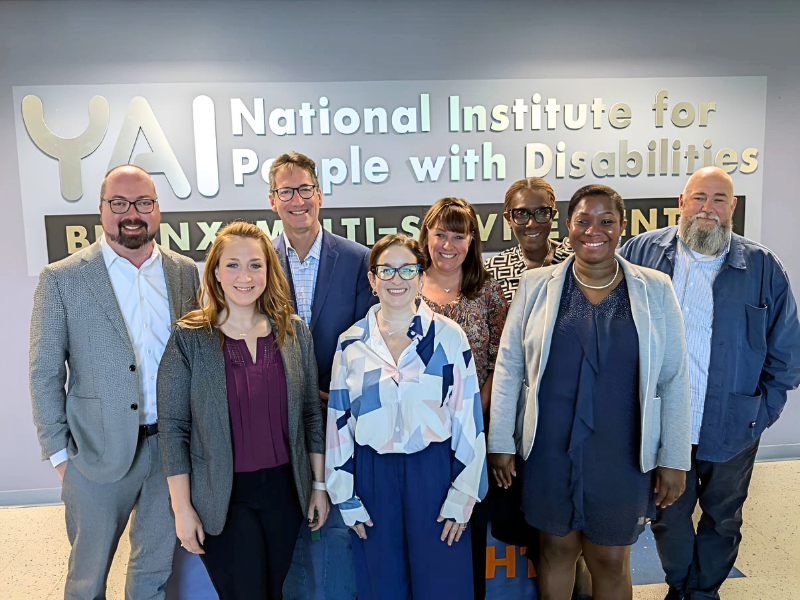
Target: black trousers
x: 249, y: 560
x: 697, y: 563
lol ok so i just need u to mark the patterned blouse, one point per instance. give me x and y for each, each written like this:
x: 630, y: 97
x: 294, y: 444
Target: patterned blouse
x: 508, y: 266
x: 482, y: 319
x: 430, y: 395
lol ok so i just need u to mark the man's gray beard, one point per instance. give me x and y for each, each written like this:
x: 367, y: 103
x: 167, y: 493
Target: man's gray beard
x: 708, y: 242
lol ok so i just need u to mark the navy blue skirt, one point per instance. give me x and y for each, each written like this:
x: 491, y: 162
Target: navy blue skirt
x: 583, y: 471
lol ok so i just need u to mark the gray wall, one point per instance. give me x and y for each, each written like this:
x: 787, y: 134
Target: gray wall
x: 150, y: 42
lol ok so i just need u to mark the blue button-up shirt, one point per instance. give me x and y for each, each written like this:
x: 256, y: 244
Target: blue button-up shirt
x: 693, y: 279
x: 304, y: 275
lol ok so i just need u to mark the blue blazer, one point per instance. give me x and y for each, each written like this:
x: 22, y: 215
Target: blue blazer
x: 755, y: 340
x: 342, y: 295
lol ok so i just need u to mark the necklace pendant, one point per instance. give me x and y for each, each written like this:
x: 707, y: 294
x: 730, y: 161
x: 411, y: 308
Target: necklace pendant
x: 447, y: 290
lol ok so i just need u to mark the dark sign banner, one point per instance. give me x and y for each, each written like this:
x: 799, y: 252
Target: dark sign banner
x: 191, y: 233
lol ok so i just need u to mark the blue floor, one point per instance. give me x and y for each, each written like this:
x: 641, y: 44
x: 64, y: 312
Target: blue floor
x: 645, y: 566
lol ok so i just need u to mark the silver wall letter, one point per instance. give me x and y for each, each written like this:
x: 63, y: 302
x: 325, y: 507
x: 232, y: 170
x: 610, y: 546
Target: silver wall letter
x: 140, y: 117
x: 68, y: 151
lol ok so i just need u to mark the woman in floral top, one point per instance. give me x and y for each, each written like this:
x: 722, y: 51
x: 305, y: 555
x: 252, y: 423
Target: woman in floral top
x: 530, y: 207
x: 457, y: 285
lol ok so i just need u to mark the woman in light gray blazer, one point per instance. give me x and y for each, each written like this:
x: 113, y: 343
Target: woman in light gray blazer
x: 591, y: 389
x: 240, y: 426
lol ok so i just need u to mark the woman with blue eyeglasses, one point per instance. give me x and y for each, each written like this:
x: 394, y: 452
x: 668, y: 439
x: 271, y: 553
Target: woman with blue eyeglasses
x: 405, y: 454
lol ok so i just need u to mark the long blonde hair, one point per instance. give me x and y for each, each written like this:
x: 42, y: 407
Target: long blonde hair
x: 274, y: 302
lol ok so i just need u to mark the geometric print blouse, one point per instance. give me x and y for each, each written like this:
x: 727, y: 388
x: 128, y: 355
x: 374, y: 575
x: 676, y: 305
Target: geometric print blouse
x: 430, y: 395
x: 508, y: 266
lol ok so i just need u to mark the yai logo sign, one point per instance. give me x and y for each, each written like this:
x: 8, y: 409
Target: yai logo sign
x: 139, y: 118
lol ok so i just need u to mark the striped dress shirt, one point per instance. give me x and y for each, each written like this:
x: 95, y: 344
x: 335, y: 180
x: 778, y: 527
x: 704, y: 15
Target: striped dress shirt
x: 693, y: 279
x: 304, y: 276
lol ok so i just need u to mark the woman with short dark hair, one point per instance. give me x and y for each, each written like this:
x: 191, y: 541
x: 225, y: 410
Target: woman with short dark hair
x: 592, y: 390
x: 529, y: 209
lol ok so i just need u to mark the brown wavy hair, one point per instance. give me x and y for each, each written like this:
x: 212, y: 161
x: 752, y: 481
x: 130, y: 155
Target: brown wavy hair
x: 457, y: 215
x: 529, y: 183
x: 274, y: 302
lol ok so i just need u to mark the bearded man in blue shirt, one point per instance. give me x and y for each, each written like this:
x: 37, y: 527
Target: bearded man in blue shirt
x: 743, y: 349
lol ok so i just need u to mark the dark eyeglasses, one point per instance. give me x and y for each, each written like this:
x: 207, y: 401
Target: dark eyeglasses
x: 306, y: 192
x: 385, y: 272
x: 521, y: 216
x: 120, y: 206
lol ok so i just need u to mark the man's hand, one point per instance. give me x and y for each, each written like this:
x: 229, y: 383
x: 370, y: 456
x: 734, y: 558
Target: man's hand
x: 61, y: 468
x: 323, y: 399
x: 670, y: 484
x: 502, y: 466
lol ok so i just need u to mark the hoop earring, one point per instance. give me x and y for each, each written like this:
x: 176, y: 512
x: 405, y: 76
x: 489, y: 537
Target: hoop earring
x: 374, y: 292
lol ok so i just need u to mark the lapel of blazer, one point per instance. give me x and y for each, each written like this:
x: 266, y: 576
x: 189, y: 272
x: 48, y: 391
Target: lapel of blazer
x: 172, y: 273
x: 327, y: 265
x: 640, y: 308
x: 95, y: 273
x: 292, y: 366
x: 552, y: 302
x: 214, y: 363
x: 280, y: 250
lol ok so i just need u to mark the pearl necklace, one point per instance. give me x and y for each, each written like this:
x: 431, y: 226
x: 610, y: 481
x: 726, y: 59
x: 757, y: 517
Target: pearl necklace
x: 596, y: 287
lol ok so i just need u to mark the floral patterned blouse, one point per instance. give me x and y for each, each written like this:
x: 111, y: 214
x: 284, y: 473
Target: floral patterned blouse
x: 482, y: 319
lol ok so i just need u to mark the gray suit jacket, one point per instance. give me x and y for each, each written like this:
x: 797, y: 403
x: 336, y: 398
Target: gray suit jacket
x: 77, y: 323
x: 663, y: 374
x: 194, y: 429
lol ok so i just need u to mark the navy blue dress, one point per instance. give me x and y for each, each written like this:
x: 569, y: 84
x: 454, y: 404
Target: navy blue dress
x: 583, y: 471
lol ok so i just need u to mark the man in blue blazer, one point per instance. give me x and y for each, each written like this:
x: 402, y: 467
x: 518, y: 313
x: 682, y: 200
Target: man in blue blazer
x: 328, y: 282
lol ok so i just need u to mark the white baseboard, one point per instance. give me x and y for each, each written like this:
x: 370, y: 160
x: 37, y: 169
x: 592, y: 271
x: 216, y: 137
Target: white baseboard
x: 778, y: 452
x: 40, y: 497
x: 46, y: 496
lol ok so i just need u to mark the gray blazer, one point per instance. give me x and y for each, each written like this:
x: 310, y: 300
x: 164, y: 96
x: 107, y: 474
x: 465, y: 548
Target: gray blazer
x: 663, y: 376
x: 194, y: 430
x: 77, y: 323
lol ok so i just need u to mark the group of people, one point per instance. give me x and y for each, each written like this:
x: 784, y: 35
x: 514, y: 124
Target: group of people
x: 423, y: 391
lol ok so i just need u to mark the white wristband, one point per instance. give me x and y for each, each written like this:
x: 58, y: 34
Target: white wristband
x: 318, y: 485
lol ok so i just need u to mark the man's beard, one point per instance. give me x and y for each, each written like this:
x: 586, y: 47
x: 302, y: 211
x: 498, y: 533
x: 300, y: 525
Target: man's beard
x: 135, y: 241
x: 708, y: 242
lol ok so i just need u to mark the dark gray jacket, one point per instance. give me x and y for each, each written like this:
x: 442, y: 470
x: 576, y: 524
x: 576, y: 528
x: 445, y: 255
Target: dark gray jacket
x: 194, y: 430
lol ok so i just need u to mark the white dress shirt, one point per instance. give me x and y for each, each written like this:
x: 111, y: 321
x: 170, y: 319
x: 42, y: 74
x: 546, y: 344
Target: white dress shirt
x: 143, y: 300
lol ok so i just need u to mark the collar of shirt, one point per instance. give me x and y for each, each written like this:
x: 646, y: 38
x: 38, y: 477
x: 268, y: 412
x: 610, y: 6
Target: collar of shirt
x: 418, y: 329
x: 109, y: 255
x: 316, y: 247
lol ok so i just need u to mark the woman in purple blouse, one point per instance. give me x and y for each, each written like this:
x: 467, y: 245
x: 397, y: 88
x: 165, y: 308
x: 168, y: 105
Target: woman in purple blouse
x: 239, y: 423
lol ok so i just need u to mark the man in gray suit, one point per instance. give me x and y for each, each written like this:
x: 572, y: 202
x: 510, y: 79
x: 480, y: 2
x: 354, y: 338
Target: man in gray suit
x: 100, y: 322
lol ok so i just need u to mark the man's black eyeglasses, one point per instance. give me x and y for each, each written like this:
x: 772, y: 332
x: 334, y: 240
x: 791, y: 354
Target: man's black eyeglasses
x: 306, y: 192
x: 521, y: 216
x: 385, y: 272
x: 120, y: 206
